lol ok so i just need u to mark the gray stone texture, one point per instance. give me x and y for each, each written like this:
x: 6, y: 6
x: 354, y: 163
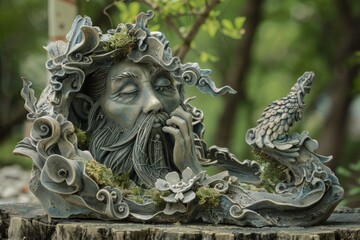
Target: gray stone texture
x: 29, y: 221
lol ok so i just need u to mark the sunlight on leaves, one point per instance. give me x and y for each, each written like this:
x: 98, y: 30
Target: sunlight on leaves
x: 205, y: 57
x: 128, y: 12
x: 233, y: 29
x: 211, y: 26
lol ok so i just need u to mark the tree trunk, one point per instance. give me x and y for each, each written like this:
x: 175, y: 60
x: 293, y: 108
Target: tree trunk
x: 334, y: 134
x: 236, y: 78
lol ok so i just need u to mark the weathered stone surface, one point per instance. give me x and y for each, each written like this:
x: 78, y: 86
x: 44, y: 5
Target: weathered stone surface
x: 29, y: 221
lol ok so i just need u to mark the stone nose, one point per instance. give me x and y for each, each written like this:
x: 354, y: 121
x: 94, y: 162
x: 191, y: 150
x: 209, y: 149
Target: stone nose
x: 152, y: 103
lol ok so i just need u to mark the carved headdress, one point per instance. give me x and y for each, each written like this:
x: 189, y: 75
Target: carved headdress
x: 87, y: 48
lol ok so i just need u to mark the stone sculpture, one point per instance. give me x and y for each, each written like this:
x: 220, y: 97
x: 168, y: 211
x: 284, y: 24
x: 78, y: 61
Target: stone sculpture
x: 113, y: 138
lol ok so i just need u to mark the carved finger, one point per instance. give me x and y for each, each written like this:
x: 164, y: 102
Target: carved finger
x: 178, y: 152
x: 180, y: 123
x: 186, y: 133
x: 175, y: 132
x: 180, y: 112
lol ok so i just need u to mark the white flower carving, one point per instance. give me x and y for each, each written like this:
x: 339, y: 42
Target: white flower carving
x: 180, y: 189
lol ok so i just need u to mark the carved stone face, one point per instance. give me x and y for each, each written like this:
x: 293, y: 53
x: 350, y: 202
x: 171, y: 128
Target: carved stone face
x: 135, y: 88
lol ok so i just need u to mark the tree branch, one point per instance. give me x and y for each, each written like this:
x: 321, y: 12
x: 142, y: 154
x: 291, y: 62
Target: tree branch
x: 200, y: 19
x: 173, y: 27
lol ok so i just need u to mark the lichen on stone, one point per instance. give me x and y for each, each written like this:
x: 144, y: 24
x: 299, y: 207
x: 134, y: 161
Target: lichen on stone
x: 105, y: 177
x: 121, y: 40
x: 82, y: 138
x: 273, y: 172
x: 208, y: 197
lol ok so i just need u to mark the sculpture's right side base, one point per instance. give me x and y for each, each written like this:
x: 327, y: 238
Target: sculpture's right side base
x: 23, y: 221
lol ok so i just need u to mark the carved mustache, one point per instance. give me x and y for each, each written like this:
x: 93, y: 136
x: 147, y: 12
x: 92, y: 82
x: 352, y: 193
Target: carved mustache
x: 144, y: 121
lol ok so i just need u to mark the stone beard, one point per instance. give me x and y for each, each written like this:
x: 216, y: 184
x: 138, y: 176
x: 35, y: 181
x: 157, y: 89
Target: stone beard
x: 144, y: 151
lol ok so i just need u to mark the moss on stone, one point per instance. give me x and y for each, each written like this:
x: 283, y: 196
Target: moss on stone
x: 273, y: 172
x: 121, y: 40
x: 100, y: 173
x: 82, y: 138
x: 209, y: 197
x: 156, y: 196
x: 134, y: 193
x: 105, y: 177
x: 123, y: 181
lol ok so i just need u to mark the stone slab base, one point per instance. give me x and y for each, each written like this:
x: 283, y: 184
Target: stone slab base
x: 29, y: 221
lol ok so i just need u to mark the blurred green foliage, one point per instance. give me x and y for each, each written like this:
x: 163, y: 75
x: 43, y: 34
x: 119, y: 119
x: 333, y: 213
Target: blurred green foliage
x: 6, y: 149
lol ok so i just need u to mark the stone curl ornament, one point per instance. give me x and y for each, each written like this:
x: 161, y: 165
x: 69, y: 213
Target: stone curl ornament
x: 113, y: 138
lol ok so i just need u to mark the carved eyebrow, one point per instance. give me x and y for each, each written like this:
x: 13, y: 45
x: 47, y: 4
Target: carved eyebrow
x: 124, y: 75
x: 157, y: 70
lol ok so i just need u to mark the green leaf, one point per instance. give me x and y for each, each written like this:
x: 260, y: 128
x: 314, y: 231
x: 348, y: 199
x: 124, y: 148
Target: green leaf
x: 155, y: 27
x: 213, y: 58
x: 354, y: 191
x: 239, y: 22
x: 227, y: 24
x: 355, y: 166
x: 196, y: 3
x: 204, y: 57
x: 134, y: 8
x: 232, y: 33
x: 343, y: 171
x: 128, y: 12
x: 211, y: 26
x: 214, y: 13
x: 231, y: 29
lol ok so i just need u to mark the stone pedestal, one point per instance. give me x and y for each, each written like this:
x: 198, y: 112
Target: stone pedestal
x: 25, y: 221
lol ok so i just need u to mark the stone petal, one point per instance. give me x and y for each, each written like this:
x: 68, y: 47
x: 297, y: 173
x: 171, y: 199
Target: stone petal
x: 172, y: 177
x: 179, y: 196
x: 188, y: 197
x: 187, y: 174
x: 172, y: 208
x: 170, y: 198
x: 162, y: 185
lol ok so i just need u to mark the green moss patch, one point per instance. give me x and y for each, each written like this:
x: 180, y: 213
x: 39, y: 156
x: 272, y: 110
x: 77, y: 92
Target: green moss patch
x: 121, y: 40
x: 208, y: 197
x: 82, y: 138
x: 273, y: 171
x: 103, y: 176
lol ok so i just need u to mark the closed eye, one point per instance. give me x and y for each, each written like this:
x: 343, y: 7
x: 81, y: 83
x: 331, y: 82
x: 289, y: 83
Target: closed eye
x: 162, y: 83
x: 127, y: 91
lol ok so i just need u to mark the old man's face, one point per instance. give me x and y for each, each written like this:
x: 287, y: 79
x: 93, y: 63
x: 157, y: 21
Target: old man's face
x: 134, y: 88
x: 139, y: 125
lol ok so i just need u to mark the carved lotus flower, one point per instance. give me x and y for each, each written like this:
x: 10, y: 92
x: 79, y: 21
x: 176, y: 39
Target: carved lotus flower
x: 180, y: 189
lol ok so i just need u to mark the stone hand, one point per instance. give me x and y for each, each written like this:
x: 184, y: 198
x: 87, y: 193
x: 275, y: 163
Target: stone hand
x: 180, y: 127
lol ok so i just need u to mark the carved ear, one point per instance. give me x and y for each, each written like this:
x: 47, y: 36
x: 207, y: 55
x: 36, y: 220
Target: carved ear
x: 82, y: 105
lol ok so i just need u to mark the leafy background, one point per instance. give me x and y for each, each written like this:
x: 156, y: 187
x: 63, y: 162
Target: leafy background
x: 259, y: 47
